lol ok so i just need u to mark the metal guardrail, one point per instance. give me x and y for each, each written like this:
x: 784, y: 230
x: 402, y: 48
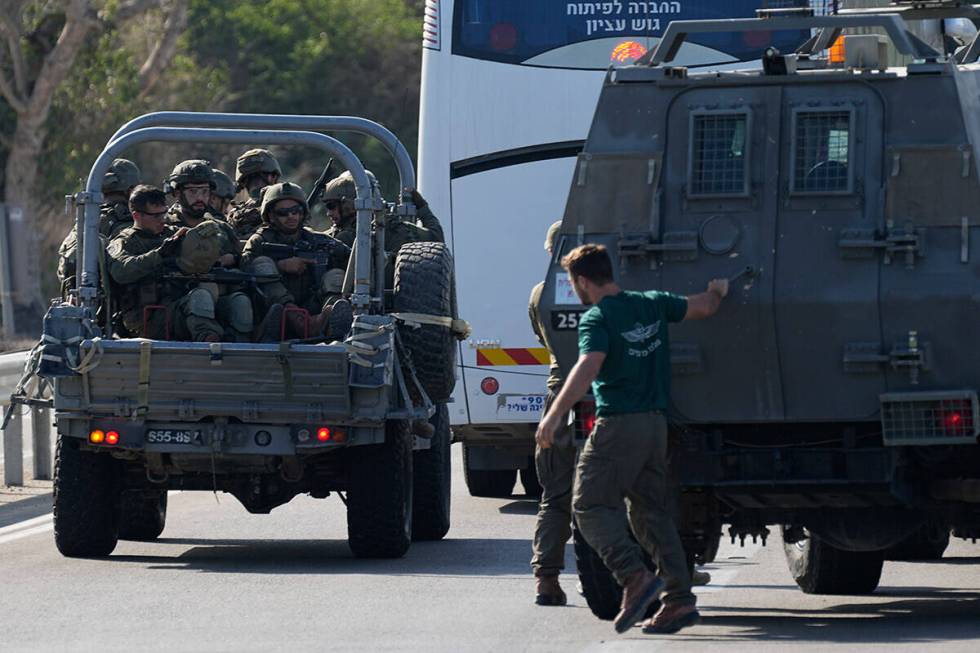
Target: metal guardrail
x: 11, y: 369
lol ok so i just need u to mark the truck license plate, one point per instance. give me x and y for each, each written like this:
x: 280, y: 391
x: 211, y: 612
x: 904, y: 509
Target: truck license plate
x: 173, y: 436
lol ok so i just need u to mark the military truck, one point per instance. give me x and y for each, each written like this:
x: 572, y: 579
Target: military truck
x: 361, y: 416
x: 835, y: 394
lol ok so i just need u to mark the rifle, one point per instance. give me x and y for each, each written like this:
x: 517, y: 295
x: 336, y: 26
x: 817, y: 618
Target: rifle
x: 229, y: 276
x: 319, y: 185
x: 324, y: 252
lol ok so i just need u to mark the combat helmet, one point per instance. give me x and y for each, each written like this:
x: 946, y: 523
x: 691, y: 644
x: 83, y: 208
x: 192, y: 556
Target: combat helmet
x: 223, y: 185
x: 342, y: 186
x: 120, y: 177
x: 255, y: 161
x: 282, y: 191
x: 192, y: 171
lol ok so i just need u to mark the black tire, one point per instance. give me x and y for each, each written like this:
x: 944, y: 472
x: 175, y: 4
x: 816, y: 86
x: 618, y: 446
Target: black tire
x: 379, y: 495
x: 599, y: 586
x: 529, y: 479
x: 142, y: 514
x: 86, y: 501
x: 819, y: 568
x: 431, y: 493
x: 489, y: 483
x: 424, y: 283
x: 928, y: 543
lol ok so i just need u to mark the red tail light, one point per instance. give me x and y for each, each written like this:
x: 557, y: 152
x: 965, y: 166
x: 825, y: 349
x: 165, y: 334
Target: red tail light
x: 323, y: 434
x: 585, y: 417
x: 112, y: 437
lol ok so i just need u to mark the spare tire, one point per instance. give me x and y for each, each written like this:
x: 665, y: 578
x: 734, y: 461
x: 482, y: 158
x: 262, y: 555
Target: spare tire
x: 425, y: 283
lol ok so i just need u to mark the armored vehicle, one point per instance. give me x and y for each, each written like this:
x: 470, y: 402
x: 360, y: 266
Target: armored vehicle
x: 361, y: 416
x: 835, y: 394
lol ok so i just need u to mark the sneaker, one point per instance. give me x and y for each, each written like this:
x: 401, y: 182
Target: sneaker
x: 700, y: 578
x: 549, y: 592
x: 671, y: 618
x: 639, y: 591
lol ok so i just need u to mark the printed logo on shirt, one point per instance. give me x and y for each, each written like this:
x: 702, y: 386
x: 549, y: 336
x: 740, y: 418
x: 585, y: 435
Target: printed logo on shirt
x: 638, y: 336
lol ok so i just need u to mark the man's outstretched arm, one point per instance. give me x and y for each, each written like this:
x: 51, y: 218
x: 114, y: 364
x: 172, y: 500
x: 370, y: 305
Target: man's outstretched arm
x: 578, y: 382
x: 707, y: 303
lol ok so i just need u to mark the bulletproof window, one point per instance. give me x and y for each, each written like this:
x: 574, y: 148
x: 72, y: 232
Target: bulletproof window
x: 822, y: 152
x: 719, y: 151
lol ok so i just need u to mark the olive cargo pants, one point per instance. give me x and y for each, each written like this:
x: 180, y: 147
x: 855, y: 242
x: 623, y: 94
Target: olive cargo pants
x: 556, y: 471
x: 626, y: 457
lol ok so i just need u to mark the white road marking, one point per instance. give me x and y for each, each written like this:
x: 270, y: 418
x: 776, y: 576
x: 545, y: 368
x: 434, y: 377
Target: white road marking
x: 21, y: 531
x: 27, y: 523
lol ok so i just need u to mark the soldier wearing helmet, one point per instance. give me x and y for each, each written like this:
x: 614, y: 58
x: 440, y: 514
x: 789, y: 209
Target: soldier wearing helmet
x: 114, y: 215
x: 210, y: 242
x: 221, y: 196
x: 254, y: 170
x: 338, y: 199
x: 284, y: 211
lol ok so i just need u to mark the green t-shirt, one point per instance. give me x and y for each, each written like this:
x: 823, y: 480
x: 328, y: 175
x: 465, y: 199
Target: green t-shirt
x: 631, y: 329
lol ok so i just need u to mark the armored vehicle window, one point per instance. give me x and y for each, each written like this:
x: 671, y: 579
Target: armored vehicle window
x: 821, y: 155
x: 718, y: 154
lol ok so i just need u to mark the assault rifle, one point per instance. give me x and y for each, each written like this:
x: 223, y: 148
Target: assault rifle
x: 324, y: 252
x: 318, y: 186
x: 217, y: 274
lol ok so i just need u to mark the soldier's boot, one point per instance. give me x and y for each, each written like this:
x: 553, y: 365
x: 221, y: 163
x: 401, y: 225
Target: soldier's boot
x: 299, y: 324
x: 549, y: 592
x: 334, y: 320
x: 639, y: 591
x: 671, y: 618
x: 270, y: 328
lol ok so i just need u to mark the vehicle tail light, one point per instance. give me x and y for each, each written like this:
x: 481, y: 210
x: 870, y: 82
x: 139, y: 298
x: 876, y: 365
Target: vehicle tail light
x: 837, y: 53
x: 489, y: 385
x: 339, y: 436
x: 112, y: 437
x: 323, y: 434
x: 584, y: 418
x: 96, y: 437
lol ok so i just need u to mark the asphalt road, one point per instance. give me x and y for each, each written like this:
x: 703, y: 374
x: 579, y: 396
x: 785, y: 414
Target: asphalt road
x: 223, y: 580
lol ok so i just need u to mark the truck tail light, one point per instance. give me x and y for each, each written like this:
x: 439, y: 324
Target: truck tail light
x: 584, y: 418
x: 112, y: 437
x: 323, y: 434
x: 489, y: 385
x: 96, y: 437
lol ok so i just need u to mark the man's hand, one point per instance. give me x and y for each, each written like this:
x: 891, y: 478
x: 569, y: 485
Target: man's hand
x: 292, y: 265
x: 707, y: 303
x: 719, y: 286
x: 227, y: 260
x: 169, y: 247
x: 547, y: 427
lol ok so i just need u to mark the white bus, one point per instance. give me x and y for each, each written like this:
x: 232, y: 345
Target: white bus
x: 508, y: 92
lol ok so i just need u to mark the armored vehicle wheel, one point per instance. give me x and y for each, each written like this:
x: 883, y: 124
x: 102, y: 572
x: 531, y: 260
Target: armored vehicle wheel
x: 491, y: 483
x: 86, y: 501
x: 142, y: 514
x: 379, y: 495
x: 819, y: 568
x: 433, y: 474
x: 529, y: 479
x: 599, y: 586
x: 424, y: 283
x: 927, y: 543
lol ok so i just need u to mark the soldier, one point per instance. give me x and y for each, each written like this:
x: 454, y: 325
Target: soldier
x: 254, y: 170
x: 284, y: 212
x: 556, y: 470
x: 114, y: 216
x: 138, y: 256
x: 221, y: 196
x: 338, y: 200
x: 192, y: 183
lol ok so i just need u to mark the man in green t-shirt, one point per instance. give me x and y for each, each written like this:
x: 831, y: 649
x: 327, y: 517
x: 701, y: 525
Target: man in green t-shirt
x: 624, y: 354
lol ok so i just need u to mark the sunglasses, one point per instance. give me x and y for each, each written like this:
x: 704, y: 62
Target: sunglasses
x: 152, y: 214
x: 331, y: 205
x: 282, y: 213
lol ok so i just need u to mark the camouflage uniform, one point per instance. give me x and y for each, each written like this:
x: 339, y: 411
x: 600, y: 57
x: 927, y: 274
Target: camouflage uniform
x: 233, y: 307
x: 246, y: 217
x: 136, y: 264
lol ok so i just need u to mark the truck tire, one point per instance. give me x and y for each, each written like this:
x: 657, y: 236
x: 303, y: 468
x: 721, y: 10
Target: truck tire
x: 819, y: 568
x: 927, y: 543
x: 142, y: 514
x: 599, y: 586
x: 431, y: 493
x: 379, y: 495
x: 490, y: 483
x: 425, y: 283
x: 86, y: 501
x: 529, y: 479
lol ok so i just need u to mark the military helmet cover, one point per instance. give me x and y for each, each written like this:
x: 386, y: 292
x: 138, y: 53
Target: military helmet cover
x: 552, y: 237
x: 282, y: 191
x: 192, y: 171
x: 343, y: 186
x: 120, y: 177
x: 254, y: 161
x: 224, y: 187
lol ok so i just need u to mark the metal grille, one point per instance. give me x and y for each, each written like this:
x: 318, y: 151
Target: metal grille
x: 930, y: 418
x: 822, y: 155
x: 718, y: 157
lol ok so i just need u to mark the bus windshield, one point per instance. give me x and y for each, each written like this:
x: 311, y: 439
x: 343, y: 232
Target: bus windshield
x: 593, y: 35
